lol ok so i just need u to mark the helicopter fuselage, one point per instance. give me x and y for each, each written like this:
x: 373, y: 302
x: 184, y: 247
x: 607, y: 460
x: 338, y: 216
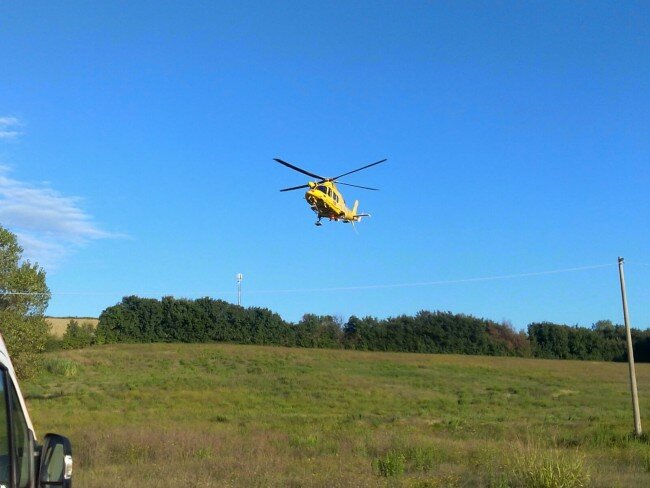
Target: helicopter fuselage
x: 325, y: 199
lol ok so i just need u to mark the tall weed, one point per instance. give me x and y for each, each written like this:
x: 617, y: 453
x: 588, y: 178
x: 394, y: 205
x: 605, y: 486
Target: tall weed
x: 389, y: 465
x: 61, y: 367
x: 536, y: 468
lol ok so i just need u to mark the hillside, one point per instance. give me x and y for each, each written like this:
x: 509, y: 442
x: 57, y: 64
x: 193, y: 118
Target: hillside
x: 59, y: 324
x: 230, y: 415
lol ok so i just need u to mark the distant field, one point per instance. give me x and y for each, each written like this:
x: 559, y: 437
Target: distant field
x: 59, y: 324
x: 250, y: 416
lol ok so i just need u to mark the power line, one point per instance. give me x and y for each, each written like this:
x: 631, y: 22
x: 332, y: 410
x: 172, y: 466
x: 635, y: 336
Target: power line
x: 343, y: 288
x: 440, y: 282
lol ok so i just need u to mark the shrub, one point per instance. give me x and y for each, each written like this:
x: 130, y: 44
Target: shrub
x: 53, y: 343
x: 25, y: 338
x: 78, y: 336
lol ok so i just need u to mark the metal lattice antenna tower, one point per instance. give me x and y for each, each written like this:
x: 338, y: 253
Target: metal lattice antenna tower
x: 240, y: 277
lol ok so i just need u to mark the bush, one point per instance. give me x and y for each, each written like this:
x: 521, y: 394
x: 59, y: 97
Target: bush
x: 53, y: 343
x: 78, y: 336
x: 25, y: 338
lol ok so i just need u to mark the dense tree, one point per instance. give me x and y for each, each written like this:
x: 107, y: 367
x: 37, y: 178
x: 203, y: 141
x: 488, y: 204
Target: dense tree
x: 550, y: 341
x: 507, y: 341
x: 360, y: 333
x: 170, y: 319
x: 642, y: 346
x: 24, y: 296
x: 319, y: 331
x: 604, y: 341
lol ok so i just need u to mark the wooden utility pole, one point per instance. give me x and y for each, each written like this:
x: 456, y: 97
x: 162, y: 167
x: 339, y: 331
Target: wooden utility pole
x: 630, y: 352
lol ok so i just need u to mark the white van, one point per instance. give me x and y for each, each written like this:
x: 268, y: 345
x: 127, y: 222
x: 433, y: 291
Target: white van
x: 23, y: 462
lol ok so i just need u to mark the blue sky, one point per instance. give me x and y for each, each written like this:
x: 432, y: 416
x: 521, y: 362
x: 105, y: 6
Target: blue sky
x: 137, y: 143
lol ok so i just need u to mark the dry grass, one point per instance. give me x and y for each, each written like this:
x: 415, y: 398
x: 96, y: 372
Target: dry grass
x: 59, y: 324
x: 225, y: 415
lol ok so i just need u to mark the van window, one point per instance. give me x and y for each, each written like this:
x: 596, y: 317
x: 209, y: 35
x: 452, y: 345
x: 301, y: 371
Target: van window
x: 18, y: 432
x: 21, y: 436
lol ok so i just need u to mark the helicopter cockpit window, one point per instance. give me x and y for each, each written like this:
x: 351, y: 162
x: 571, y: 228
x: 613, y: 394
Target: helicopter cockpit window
x: 322, y: 188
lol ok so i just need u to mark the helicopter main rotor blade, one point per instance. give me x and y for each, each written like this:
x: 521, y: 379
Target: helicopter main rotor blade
x: 358, y: 169
x: 295, y: 188
x: 356, y: 186
x: 299, y: 170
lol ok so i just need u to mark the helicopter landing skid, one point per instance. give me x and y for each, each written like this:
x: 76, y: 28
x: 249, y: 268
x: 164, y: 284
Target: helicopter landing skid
x: 318, y: 222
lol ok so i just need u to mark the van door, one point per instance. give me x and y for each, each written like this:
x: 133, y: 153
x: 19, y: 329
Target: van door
x: 17, y: 446
x: 16, y: 439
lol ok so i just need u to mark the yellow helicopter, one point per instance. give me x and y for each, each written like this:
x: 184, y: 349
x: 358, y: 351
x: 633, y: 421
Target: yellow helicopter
x: 325, y: 199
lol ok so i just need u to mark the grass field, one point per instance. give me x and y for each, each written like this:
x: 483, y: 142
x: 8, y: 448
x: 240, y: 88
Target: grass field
x: 59, y: 324
x: 228, y: 415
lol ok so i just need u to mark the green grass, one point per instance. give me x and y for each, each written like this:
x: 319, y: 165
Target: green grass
x: 228, y: 415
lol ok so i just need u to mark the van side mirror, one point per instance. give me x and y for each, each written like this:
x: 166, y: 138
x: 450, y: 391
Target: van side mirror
x: 56, y: 462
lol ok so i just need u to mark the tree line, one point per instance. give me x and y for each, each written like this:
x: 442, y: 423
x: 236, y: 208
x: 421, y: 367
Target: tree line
x: 603, y: 341
x: 140, y: 320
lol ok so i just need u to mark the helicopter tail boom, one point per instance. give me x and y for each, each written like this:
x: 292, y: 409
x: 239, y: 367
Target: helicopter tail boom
x: 356, y: 217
